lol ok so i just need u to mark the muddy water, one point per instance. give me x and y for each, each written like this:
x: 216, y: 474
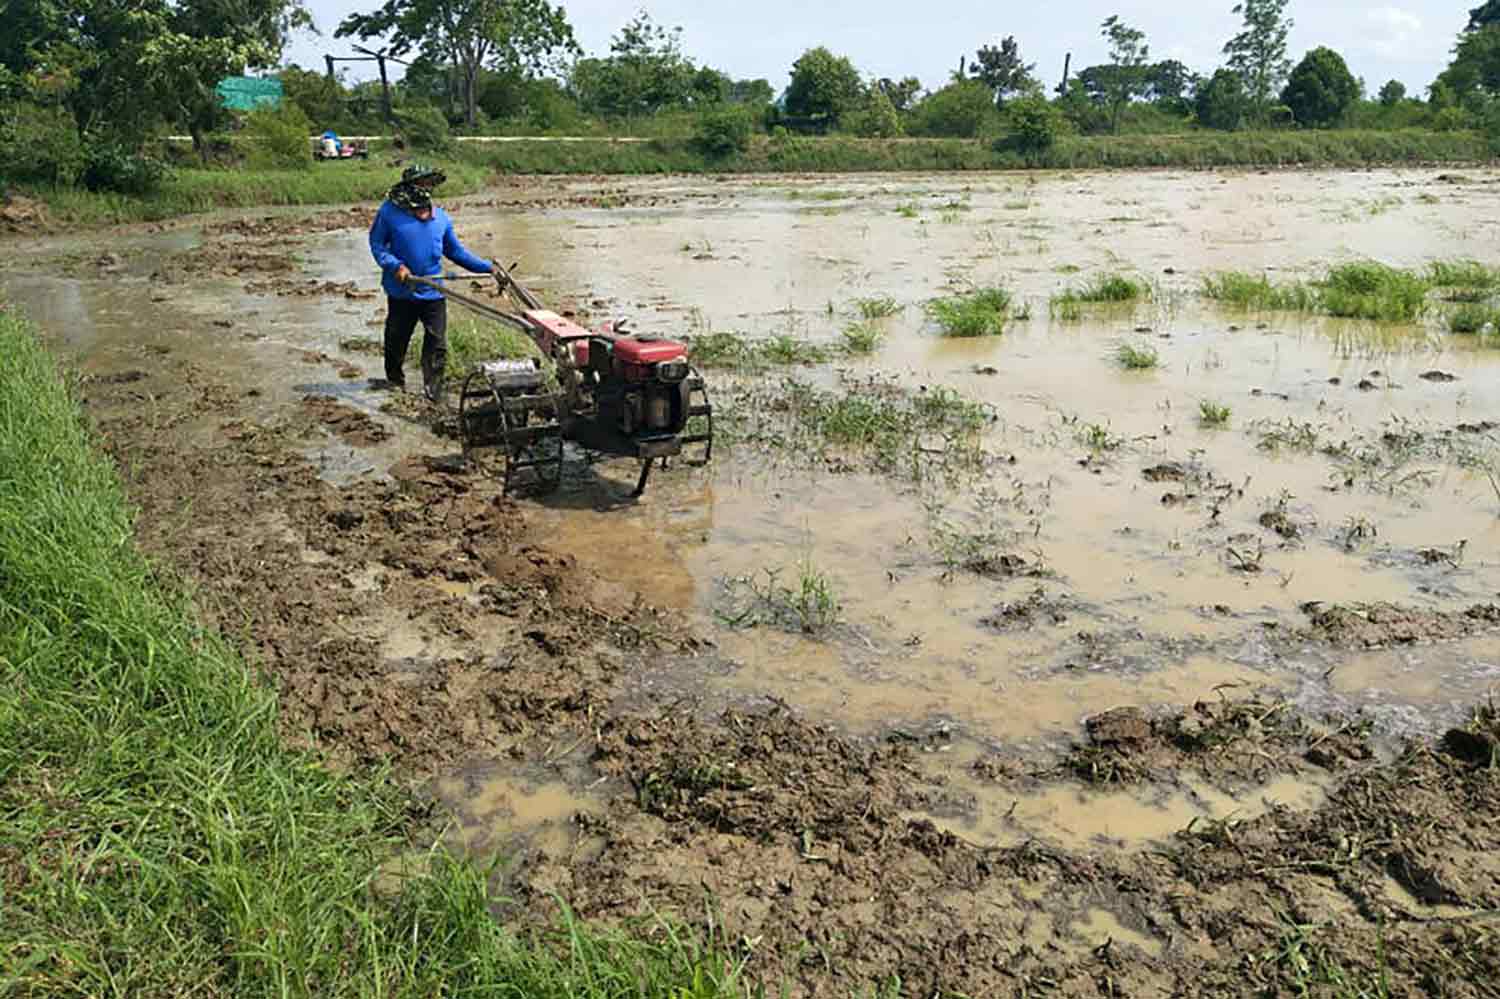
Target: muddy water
x: 1157, y: 606
x: 1143, y: 600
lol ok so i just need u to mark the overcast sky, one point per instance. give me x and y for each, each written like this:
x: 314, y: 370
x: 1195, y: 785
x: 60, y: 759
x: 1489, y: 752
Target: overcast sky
x: 1407, y: 40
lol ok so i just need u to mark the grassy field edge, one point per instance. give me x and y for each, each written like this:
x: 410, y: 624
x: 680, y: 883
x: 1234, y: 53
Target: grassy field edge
x: 470, y: 166
x: 157, y: 836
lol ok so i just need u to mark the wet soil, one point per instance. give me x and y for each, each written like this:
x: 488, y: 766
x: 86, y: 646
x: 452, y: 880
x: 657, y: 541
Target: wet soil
x: 1136, y: 708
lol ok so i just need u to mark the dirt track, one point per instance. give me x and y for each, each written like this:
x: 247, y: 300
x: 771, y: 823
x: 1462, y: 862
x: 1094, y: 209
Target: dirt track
x: 413, y: 614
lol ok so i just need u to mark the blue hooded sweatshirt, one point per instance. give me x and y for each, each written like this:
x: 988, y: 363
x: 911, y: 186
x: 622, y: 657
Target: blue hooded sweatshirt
x: 399, y: 237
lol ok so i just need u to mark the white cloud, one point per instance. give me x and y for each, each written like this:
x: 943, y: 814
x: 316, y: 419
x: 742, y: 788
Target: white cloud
x: 1396, y: 32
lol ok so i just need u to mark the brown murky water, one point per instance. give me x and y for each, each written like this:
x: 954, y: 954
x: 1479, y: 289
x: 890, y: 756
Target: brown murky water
x: 1152, y: 607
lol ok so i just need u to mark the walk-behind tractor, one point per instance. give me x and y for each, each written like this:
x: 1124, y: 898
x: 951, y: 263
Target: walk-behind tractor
x: 616, y: 393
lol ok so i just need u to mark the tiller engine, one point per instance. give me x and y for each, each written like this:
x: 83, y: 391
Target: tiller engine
x: 629, y: 395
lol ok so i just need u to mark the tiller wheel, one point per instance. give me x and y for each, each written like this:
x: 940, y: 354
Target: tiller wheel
x: 502, y: 406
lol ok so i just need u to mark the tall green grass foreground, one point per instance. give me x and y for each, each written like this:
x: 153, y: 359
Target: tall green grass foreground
x: 157, y: 838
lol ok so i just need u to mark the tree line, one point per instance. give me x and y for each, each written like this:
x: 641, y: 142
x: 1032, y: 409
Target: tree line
x: 86, y: 84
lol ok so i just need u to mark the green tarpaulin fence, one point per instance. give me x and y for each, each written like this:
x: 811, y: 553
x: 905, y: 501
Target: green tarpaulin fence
x: 245, y: 93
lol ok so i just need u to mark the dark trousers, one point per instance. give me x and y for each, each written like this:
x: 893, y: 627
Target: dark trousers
x: 401, y: 317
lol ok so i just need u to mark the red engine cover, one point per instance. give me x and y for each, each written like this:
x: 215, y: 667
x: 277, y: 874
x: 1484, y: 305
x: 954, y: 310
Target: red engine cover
x: 647, y: 350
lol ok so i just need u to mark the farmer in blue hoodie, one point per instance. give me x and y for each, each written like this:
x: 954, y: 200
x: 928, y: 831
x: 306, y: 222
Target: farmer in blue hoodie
x: 410, y: 237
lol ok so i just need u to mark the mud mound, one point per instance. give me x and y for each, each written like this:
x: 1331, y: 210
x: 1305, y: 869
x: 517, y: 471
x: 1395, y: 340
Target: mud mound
x: 278, y: 227
x: 1373, y: 626
x: 311, y: 288
x: 1232, y: 742
x: 760, y: 775
x: 22, y: 214
x: 347, y: 423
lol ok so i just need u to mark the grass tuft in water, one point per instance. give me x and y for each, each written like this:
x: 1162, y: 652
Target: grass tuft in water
x: 1213, y: 414
x: 1137, y: 357
x: 1359, y: 290
x: 1463, y: 277
x: 862, y: 338
x: 731, y: 350
x: 1474, y: 319
x: 1105, y: 289
x: 979, y: 313
x: 1249, y: 291
x: 1370, y: 290
x: 877, y: 308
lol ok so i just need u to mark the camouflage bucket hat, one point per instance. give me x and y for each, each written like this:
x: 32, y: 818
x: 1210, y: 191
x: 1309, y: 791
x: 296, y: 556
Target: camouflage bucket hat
x: 421, y: 173
x: 410, y: 197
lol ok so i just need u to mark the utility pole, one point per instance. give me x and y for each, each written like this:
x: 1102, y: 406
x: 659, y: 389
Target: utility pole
x: 1062, y: 88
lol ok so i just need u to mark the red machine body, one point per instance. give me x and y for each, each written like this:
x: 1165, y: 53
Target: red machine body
x: 619, y: 393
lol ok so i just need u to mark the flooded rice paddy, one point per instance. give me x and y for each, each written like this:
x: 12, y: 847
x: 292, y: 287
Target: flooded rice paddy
x: 1096, y: 545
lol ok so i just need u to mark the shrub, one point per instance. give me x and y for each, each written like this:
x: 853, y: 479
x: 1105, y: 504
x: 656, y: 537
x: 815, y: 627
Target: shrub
x: 1452, y: 119
x: 1034, y: 126
x: 39, y: 145
x: 724, y: 132
x: 425, y: 129
x: 111, y: 166
x: 1321, y: 89
x: 960, y: 110
x: 1221, y: 101
x: 277, y: 138
x: 876, y: 119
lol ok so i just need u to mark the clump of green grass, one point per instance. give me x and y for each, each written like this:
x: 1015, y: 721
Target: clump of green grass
x: 1213, y: 414
x: 1111, y: 289
x: 908, y: 210
x: 724, y: 349
x: 877, y: 308
x: 979, y: 313
x: 1248, y: 291
x: 159, y: 837
x: 899, y: 431
x: 862, y: 338
x: 787, y: 349
x: 1065, y: 308
x: 809, y: 605
x: 471, y: 342
x: 1359, y: 290
x: 1463, y: 274
x: 1137, y: 357
x: 1473, y: 319
x: 1370, y: 290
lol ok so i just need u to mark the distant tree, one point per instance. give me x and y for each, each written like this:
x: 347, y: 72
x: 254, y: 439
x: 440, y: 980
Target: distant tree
x: 1002, y: 70
x: 1220, y: 102
x: 756, y: 93
x: 1258, y: 52
x: 876, y: 118
x: 1082, y: 103
x: 1473, y: 77
x: 902, y: 93
x: 1321, y: 89
x: 709, y: 87
x: 1393, y: 93
x: 1125, y: 76
x: 644, y: 73
x: 1034, y: 124
x: 469, y: 35
x: 1484, y: 15
x: 961, y: 110
x: 1168, y: 84
x: 320, y: 98
x: 823, y: 84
